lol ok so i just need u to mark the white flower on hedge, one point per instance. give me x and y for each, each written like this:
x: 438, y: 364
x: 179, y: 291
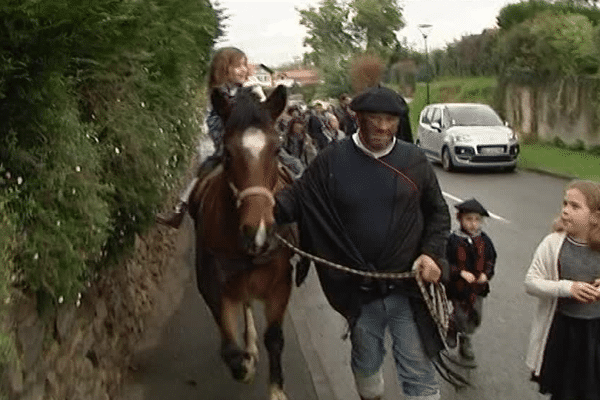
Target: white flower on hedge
x: 78, y: 168
x: 36, y: 256
x: 19, y: 180
x: 61, y: 300
x: 57, y: 223
x: 143, y: 104
x: 7, y: 300
x: 78, y: 303
x: 161, y: 130
x: 7, y: 175
x: 73, y: 191
x: 117, y: 150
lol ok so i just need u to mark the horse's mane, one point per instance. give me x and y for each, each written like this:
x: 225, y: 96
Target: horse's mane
x: 246, y: 112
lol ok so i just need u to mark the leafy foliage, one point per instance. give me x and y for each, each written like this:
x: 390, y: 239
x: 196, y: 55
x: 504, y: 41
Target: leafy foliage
x: 515, y: 14
x: 337, y: 30
x: 550, y: 44
x: 101, y: 103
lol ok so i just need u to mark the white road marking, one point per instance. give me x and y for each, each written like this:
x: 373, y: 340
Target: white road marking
x: 254, y: 140
x: 459, y: 200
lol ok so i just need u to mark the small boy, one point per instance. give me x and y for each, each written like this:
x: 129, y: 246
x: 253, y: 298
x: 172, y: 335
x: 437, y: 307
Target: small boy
x: 472, y: 258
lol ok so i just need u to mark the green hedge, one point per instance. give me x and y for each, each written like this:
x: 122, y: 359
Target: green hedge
x: 101, y: 105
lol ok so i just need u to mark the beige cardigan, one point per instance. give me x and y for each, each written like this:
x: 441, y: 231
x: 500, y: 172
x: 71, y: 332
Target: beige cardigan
x: 542, y: 281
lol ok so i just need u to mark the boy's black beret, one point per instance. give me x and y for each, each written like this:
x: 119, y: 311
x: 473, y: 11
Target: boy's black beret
x: 472, y: 206
x: 379, y: 99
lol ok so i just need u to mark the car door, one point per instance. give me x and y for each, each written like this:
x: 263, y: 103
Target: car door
x: 425, y: 129
x: 437, y: 136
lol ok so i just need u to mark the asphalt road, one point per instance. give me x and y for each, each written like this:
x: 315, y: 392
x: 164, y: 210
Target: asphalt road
x: 181, y: 362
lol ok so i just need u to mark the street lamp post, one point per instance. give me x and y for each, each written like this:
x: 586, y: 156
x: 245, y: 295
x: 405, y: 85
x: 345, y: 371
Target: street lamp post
x: 425, y: 30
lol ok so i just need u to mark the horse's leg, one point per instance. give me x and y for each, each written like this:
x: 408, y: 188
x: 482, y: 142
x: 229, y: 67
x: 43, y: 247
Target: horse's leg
x: 251, y: 339
x: 231, y: 352
x: 275, y: 307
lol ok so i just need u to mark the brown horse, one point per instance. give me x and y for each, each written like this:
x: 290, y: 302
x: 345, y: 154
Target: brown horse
x: 237, y: 257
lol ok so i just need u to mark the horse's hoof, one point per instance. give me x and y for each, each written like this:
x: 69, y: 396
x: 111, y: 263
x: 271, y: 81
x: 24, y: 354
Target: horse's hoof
x: 249, y: 366
x: 276, y: 393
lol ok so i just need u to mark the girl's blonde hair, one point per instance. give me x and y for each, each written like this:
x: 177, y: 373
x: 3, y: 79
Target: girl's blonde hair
x: 591, y: 192
x: 219, y: 68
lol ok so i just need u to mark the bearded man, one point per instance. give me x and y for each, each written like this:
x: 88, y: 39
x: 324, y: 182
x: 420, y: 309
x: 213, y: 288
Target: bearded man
x: 373, y: 203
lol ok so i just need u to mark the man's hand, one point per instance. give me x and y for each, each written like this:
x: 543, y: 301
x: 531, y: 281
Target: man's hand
x: 482, y: 278
x: 427, y: 268
x: 467, y: 276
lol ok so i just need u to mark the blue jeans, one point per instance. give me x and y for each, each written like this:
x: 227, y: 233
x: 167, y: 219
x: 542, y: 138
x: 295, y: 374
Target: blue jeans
x: 416, y: 372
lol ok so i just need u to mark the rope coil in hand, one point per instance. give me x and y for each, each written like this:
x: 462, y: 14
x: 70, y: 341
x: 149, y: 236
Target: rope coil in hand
x: 434, y: 294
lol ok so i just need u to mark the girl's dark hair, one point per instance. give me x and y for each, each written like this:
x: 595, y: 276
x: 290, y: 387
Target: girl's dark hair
x: 219, y: 67
x: 591, y: 191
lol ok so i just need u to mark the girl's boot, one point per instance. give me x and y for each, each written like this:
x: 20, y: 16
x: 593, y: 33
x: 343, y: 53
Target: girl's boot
x: 174, y: 220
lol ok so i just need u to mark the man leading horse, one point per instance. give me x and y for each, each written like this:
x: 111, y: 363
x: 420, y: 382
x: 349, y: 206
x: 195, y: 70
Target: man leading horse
x: 373, y: 203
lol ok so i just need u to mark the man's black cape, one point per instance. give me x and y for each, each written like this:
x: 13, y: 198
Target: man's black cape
x: 308, y: 201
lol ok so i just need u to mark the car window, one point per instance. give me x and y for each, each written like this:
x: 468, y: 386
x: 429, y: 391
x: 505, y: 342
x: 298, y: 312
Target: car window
x: 437, y: 116
x: 473, y: 116
x: 425, y: 116
x: 429, y: 114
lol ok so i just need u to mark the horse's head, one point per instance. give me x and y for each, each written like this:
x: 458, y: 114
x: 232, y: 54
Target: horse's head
x: 251, y: 147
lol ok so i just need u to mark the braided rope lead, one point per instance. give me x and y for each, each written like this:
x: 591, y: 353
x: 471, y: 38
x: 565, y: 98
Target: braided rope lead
x: 434, y: 296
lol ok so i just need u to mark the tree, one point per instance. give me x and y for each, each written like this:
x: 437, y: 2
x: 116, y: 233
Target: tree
x: 329, y: 35
x: 551, y: 44
x: 375, y: 24
x: 338, y: 29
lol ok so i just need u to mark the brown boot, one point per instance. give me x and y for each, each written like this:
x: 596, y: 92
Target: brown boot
x: 175, y: 220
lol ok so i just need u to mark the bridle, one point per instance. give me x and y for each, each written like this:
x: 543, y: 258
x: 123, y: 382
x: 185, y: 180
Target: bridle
x: 252, y: 191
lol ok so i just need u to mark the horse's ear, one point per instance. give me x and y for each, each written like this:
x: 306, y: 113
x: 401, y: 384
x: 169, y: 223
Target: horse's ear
x: 220, y: 104
x: 276, y: 101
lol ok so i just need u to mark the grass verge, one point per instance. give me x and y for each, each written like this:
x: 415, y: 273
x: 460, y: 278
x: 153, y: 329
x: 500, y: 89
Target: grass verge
x: 575, y: 164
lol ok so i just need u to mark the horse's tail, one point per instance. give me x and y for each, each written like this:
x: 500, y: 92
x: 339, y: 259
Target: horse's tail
x: 366, y: 71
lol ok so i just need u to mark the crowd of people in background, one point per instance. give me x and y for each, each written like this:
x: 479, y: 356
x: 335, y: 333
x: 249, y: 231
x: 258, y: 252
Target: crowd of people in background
x: 306, y: 130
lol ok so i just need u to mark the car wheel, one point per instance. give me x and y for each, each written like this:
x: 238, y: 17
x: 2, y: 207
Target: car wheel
x: 447, y: 160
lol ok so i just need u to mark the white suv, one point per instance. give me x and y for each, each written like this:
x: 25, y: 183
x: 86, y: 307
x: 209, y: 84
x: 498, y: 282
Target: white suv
x: 467, y: 135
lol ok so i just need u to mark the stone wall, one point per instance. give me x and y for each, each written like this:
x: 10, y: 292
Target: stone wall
x: 82, y: 352
x: 565, y: 109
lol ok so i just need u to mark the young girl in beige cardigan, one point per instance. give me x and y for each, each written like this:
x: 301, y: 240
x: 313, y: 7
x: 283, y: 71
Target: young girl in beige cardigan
x: 564, y: 347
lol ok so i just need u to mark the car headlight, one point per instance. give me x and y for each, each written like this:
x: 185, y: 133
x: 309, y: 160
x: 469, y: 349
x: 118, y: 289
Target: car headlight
x: 513, y: 135
x: 462, y: 138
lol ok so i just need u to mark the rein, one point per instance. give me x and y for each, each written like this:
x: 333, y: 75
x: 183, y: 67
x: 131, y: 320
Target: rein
x: 434, y: 295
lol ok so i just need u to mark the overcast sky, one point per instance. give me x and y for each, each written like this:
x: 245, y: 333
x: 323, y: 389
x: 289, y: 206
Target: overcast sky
x: 270, y: 32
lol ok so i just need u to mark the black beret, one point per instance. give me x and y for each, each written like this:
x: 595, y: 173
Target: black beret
x: 379, y: 99
x: 472, y: 206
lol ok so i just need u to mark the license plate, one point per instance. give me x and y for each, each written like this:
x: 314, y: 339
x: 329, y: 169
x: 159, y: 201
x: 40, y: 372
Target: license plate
x: 492, y: 150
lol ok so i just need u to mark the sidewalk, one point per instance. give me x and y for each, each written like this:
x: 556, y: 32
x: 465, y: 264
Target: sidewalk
x: 179, y: 355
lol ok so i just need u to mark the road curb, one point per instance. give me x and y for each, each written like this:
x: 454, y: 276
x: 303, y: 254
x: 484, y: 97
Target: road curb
x: 548, y: 172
